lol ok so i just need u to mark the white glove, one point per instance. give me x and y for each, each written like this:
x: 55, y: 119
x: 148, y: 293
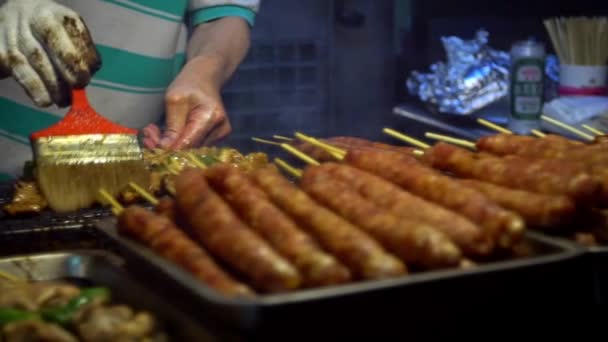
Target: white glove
x: 47, y: 48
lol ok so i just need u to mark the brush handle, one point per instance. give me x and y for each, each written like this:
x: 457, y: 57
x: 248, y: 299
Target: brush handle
x: 79, y: 99
x: 82, y: 119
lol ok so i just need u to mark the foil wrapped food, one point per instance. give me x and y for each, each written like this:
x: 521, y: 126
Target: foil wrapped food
x: 474, y: 76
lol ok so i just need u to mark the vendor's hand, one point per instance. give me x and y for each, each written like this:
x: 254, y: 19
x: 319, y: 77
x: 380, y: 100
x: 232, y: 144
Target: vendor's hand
x: 195, y: 113
x: 47, y: 48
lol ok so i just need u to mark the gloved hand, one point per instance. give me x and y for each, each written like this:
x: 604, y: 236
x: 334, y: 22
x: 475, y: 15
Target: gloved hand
x: 47, y: 48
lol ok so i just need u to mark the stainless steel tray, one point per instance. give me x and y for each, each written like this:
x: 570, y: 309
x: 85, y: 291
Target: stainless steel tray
x: 98, y: 268
x: 373, y: 305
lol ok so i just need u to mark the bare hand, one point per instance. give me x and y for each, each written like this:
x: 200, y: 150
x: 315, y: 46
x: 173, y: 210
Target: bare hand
x: 195, y: 113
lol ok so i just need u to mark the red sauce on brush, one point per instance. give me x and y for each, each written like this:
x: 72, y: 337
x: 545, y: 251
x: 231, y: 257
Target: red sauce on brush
x: 82, y: 119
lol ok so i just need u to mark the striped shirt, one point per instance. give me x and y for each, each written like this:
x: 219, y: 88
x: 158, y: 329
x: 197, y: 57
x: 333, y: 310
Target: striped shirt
x: 142, y: 45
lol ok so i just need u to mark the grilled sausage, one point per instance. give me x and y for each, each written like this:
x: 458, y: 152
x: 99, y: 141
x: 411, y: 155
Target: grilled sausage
x: 546, y: 177
x: 538, y: 210
x: 357, y: 250
x: 467, y: 235
x: 503, y: 226
x: 161, y: 235
x: 416, y: 243
x: 217, y: 227
x: 317, y: 267
x: 166, y: 207
x: 508, y: 144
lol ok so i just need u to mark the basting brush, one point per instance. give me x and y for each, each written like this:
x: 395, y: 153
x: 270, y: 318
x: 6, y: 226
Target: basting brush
x: 85, y: 152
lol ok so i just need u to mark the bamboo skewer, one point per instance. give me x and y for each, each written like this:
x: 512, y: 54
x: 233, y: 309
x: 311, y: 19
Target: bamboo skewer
x: 288, y: 168
x: 405, y: 138
x: 143, y: 193
x: 280, y: 137
x: 117, y: 208
x: 567, y: 127
x: 264, y: 141
x: 593, y: 130
x: 334, y: 151
x: 493, y: 126
x: 538, y: 133
x: 579, y: 40
x: 304, y: 157
x: 448, y: 139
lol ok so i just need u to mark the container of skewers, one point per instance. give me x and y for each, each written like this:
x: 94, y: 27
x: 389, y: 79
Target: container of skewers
x: 371, y: 227
x: 582, y: 47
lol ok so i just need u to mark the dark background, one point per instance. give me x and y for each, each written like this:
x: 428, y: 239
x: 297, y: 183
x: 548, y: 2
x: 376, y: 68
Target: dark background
x: 331, y: 67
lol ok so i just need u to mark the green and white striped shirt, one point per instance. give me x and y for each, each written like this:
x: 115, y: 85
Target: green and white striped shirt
x: 142, y: 45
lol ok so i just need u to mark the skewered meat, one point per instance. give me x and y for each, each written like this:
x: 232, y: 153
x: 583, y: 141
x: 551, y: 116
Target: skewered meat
x: 414, y: 242
x: 27, y: 198
x: 35, y: 331
x: 358, y: 251
x: 162, y: 164
x: 166, y: 207
x: 507, y: 144
x: 160, y: 234
x: 499, y: 224
x: 215, y: 225
x: 389, y: 196
x: 317, y: 267
x: 36, y: 296
x: 117, y: 323
x: 61, y: 312
x: 538, y: 210
x: 546, y: 177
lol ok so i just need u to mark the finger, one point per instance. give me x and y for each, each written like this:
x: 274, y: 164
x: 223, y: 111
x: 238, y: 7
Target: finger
x: 200, y: 123
x: 40, y: 62
x: 218, y: 134
x: 152, y: 133
x: 21, y: 70
x: 177, y: 108
x: 149, y: 143
x: 5, y: 70
x: 68, y: 60
x: 80, y: 36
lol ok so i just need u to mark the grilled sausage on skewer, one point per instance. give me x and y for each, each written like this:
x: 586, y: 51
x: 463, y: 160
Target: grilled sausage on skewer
x: 317, y: 267
x: 467, y: 235
x: 538, y: 210
x: 499, y: 224
x: 215, y: 225
x: 414, y: 242
x: 546, y: 177
x: 161, y: 235
x: 358, y: 251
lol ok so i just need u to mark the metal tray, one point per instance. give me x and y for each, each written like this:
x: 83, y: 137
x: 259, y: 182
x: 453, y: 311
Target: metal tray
x: 98, y: 268
x: 376, y: 305
x: 596, y: 260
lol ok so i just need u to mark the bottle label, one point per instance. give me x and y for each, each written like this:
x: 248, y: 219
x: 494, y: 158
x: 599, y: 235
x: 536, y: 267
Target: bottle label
x: 527, y: 87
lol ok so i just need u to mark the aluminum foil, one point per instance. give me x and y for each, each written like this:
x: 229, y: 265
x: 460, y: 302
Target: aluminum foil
x: 473, y: 77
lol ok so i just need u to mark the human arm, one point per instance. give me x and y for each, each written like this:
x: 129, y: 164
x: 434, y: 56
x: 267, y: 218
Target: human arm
x: 195, y: 113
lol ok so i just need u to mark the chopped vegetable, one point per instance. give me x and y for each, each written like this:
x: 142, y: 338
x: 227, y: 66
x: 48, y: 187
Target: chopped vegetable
x: 64, y: 314
x: 14, y: 315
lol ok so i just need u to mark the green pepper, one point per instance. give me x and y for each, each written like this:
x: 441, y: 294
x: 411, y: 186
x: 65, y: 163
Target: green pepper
x: 208, y: 159
x: 14, y: 315
x: 63, y: 315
